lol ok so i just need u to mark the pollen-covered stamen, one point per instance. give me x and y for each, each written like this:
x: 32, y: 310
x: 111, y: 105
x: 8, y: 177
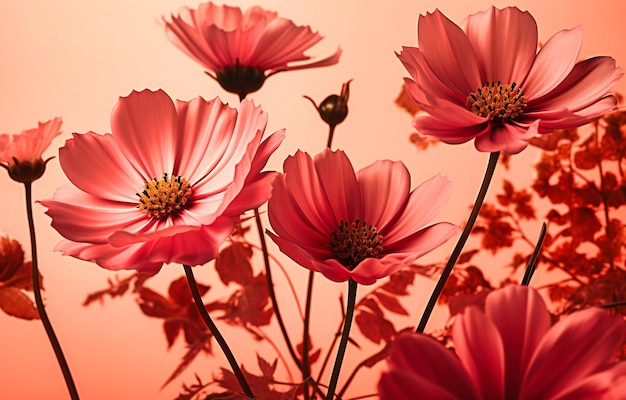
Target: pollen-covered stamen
x: 352, y: 242
x: 497, y: 102
x: 165, y: 196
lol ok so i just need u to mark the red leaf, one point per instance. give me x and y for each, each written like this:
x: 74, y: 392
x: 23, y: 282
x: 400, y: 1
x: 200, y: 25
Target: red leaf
x: 266, y: 368
x: 233, y: 264
x: 391, y: 303
x: 374, y: 327
x: 399, y: 282
x: 180, y: 293
x: 16, y: 303
x: 172, y: 328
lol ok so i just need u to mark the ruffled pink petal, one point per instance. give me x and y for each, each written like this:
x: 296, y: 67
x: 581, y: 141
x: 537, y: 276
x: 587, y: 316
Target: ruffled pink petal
x: 563, y: 118
x: 191, y: 42
x: 299, y: 209
x: 459, y: 126
x: 385, y: 189
x: 606, y: 385
x: 481, y: 351
x: 29, y: 145
x: 505, y: 42
x: 419, y: 364
x: 449, y: 52
x: 554, y: 62
x: 576, y: 347
x: 421, y: 242
x: 81, y: 217
x: 521, y: 317
x: 253, y: 195
x: 323, y: 62
x: 508, y: 137
x: 96, y: 165
x: 339, y: 183
x: 112, y: 258
x: 195, y: 247
x: 332, y: 269
x: 589, y: 81
x: 144, y: 128
x: 283, y: 42
x: 426, y: 88
x: 300, y: 255
x: 424, y: 203
x: 370, y: 270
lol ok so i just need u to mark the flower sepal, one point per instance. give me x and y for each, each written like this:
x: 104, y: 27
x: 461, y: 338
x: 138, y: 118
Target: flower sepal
x: 26, y: 171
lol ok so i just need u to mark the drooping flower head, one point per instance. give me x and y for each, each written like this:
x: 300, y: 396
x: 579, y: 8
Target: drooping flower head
x: 241, y: 49
x: 361, y: 226
x: 485, y: 80
x: 165, y: 186
x: 22, y: 154
x: 510, y: 351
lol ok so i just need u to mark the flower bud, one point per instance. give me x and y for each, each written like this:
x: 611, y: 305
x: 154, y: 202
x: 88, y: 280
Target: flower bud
x: 334, y: 109
x: 26, y: 171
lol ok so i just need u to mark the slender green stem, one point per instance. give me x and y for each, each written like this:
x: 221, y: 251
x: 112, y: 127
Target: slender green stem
x: 343, y: 344
x: 491, y: 166
x: 56, y: 346
x: 215, y: 332
x: 270, y: 288
x: 306, y: 367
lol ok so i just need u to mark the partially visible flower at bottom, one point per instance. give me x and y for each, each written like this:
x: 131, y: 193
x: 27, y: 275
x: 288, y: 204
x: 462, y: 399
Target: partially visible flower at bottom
x: 362, y: 226
x: 21, y: 154
x: 15, y: 278
x: 165, y: 186
x: 510, y: 351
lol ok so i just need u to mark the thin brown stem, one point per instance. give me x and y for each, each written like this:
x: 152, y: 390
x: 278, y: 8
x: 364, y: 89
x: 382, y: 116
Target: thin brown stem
x: 491, y: 166
x: 41, y: 309
x: 197, y: 298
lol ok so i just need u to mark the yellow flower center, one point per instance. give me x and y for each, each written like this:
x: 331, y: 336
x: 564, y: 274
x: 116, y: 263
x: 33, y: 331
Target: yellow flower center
x: 165, y: 196
x: 497, y: 102
x: 353, y: 242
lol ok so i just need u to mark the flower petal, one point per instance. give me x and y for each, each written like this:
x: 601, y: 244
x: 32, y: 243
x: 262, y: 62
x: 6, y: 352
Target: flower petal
x: 141, y: 116
x: 338, y: 180
x: 424, y: 203
x: 449, y: 52
x: 95, y: 164
x: 505, y: 42
x: 554, y: 62
x: 509, y: 137
x: 479, y: 347
x: 419, y: 364
x: 522, y: 319
x: 581, y: 344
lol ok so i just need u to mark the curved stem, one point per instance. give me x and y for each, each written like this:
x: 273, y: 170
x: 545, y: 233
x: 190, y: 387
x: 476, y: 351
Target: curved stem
x: 56, y: 346
x: 215, y: 332
x: 306, y: 367
x: 491, y: 166
x: 270, y: 287
x: 341, y: 351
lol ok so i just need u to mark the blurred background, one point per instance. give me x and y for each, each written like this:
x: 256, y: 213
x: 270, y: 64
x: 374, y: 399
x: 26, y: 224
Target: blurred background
x: 73, y: 59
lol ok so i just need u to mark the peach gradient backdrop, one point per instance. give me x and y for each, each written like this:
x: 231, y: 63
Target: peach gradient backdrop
x: 73, y: 58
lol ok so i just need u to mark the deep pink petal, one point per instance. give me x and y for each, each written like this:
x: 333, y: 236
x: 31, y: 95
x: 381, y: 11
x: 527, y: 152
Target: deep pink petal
x: 419, y: 364
x: 481, y: 351
x: 79, y: 216
x: 338, y: 180
x: 144, y: 127
x: 448, y: 52
x: 421, y: 242
x: 97, y: 166
x: 589, y: 81
x: 385, y: 189
x: 508, y: 137
x: 505, y: 42
x: 581, y: 344
x: 554, y: 62
x: 425, y: 87
x: 453, y: 129
x: 424, y: 203
x: 606, y: 385
x: 521, y: 317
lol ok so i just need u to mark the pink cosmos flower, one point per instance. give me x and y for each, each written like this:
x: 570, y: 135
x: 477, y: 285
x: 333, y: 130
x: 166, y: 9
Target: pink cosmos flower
x: 165, y: 186
x: 361, y: 226
x: 485, y: 80
x: 510, y: 351
x: 22, y: 154
x: 240, y: 50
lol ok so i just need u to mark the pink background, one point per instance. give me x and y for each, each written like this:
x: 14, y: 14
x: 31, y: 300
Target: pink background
x: 73, y: 59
